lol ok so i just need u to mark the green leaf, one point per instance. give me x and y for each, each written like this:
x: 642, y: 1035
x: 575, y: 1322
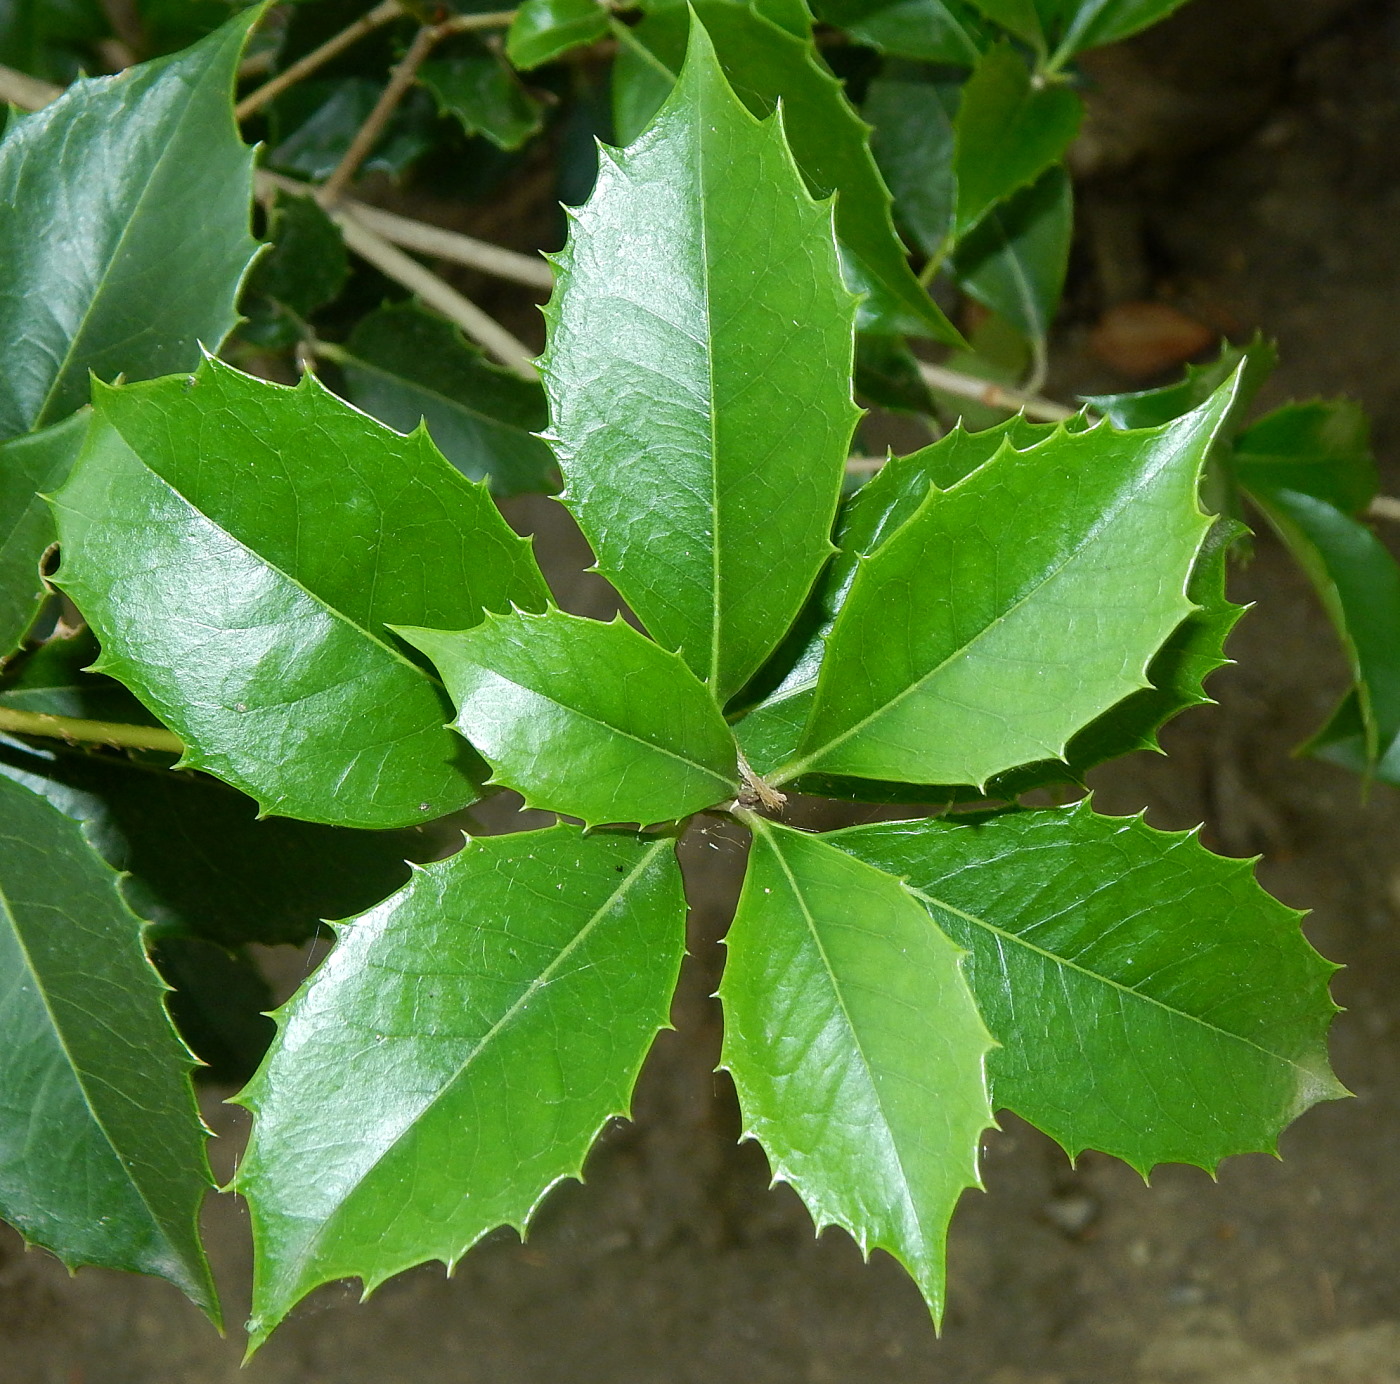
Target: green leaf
x: 698, y: 369
x: 226, y: 540
x: 545, y: 29
x: 50, y: 39
x: 483, y: 95
x: 1149, y: 999
x: 589, y: 719
x: 1015, y: 261
x: 856, y: 1048
x: 28, y: 465
x: 1359, y: 584
x: 1009, y: 131
x: 1019, y: 17
x: 765, y: 64
x: 979, y: 637
x: 456, y: 1055
x: 101, y: 1149
x: 1092, y: 23
x: 1321, y: 448
x: 934, y: 30
x: 304, y: 269
x: 125, y: 214
x: 198, y: 861
x: 913, y: 142
x: 404, y: 365
x: 332, y: 113
x: 887, y: 375
x: 54, y: 679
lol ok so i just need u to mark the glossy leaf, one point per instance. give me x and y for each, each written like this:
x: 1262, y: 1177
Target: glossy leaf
x: 765, y: 63
x: 198, y: 861
x: 1009, y: 131
x: 585, y: 718
x: 456, y: 1055
x: 545, y: 29
x: 1149, y: 999
x: 1091, y: 23
x: 698, y: 370
x: 323, y: 117
x: 856, y: 1048
x: 980, y: 637
x: 101, y: 1148
x: 913, y: 143
x: 1015, y: 261
x: 123, y: 212
x: 945, y: 31
x: 239, y: 548
x: 28, y: 466
x: 1019, y: 17
x: 887, y: 375
x: 405, y: 365
x: 304, y: 268
x: 1358, y: 582
x: 1321, y: 448
x: 484, y: 96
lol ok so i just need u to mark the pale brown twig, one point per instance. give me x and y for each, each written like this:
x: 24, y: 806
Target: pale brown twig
x: 993, y: 395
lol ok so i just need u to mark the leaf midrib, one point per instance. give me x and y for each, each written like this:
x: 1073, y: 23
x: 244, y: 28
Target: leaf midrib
x: 526, y: 995
x: 1108, y: 518
x: 1144, y: 996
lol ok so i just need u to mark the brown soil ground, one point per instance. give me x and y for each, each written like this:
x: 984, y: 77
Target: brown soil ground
x: 1242, y: 162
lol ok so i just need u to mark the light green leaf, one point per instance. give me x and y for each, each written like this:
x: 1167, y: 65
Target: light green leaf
x: 912, y: 114
x: 101, y: 1149
x: 405, y: 365
x: 456, y: 1055
x: 589, y: 719
x: 1019, y: 17
x: 698, y: 370
x: 239, y: 548
x: 980, y: 637
x: 1359, y: 584
x: 856, y: 1048
x: 1150, y: 1000
x: 1321, y: 448
x: 546, y: 29
x: 1015, y: 261
x: 933, y: 30
x: 765, y: 63
x: 1009, y: 131
x: 28, y: 465
x: 123, y: 212
x: 484, y: 96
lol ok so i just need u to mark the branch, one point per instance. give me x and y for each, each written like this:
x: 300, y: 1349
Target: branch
x: 367, y: 136
x: 28, y: 93
x: 380, y: 15
x: 115, y: 733
x: 1384, y: 507
x: 993, y: 395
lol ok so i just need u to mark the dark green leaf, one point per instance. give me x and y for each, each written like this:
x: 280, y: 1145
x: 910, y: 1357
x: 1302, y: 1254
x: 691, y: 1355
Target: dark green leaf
x: 30, y: 465
x: 456, y: 1055
x: 1020, y: 17
x: 887, y: 375
x: 50, y: 39
x: 982, y: 636
x: 307, y: 265
x: 699, y: 368
x: 101, y: 1149
x: 200, y: 863
x: 589, y: 719
x: 856, y: 1048
x: 124, y: 212
x: 545, y: 29
x: 1015, y: 262
x: 765, y: 63
x: 53, y: 679
x: 913, y: 143
x: 405, y: 365
x: 933, y: 30
x: 1091, y: 23
x: 484, y: 96
x: 1009, y: 131
x: 1149, y: 999
x: 317, y: 144
x: 1322, y: 449
x: 226, y: 540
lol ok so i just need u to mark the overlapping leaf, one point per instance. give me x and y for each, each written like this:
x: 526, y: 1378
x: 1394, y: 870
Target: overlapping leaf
x: 1150, y: 1000
x: 479, y: 90
x: 978, y: 638
x: 856, y: 1048
x: 101, y: 1149
x: 1321, y: 448
x: 698, y: 368
x: 405, y: 365
x: 547, y: 29
x: 239, y: 549
x: 1068, y: 26
x: 589, y: 719
x: 123, y: 229
x: 946, y: 31
x: 460, y: 1048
